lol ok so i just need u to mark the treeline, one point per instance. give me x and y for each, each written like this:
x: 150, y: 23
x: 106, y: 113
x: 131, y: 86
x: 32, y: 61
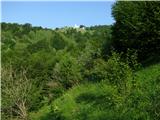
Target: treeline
x: 39, y: 65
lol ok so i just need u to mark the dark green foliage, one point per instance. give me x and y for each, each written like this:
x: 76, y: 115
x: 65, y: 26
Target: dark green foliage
x: 40, y: 45
x: 137, y: 27
x: 58, y: 41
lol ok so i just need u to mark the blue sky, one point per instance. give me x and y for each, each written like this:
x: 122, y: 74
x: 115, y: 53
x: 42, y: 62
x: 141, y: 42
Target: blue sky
x: 58, y: 14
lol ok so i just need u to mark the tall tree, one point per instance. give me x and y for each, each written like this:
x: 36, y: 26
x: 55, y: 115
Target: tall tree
x: 137, y: 27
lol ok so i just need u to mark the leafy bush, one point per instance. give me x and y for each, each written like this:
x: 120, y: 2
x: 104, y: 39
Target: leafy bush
x: 118, y: 72
x: 114, y: 71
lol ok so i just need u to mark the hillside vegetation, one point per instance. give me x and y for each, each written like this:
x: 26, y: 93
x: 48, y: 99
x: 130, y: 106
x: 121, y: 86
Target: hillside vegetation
x: 102, y: 72
x: 101, y: 101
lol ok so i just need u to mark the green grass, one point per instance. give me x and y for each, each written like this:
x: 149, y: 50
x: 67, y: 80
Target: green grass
x: 147, y: 78
x: 101, y: 101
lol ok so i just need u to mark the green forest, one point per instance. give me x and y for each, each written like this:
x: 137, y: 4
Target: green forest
x: 101, y: 72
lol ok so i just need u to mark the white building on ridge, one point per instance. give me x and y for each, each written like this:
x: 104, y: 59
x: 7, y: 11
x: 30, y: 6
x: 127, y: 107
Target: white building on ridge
x: 76, y: 26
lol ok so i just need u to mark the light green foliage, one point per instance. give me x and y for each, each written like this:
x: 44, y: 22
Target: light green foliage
x: 53, y: 59
x: 84, y: 101
x: 149, y: 79
x: 114, y: 71
x: 67, y: 71
x: 103, y: 101
x: 118, y: 72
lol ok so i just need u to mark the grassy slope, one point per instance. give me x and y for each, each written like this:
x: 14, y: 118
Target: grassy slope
x: 95, y: 101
